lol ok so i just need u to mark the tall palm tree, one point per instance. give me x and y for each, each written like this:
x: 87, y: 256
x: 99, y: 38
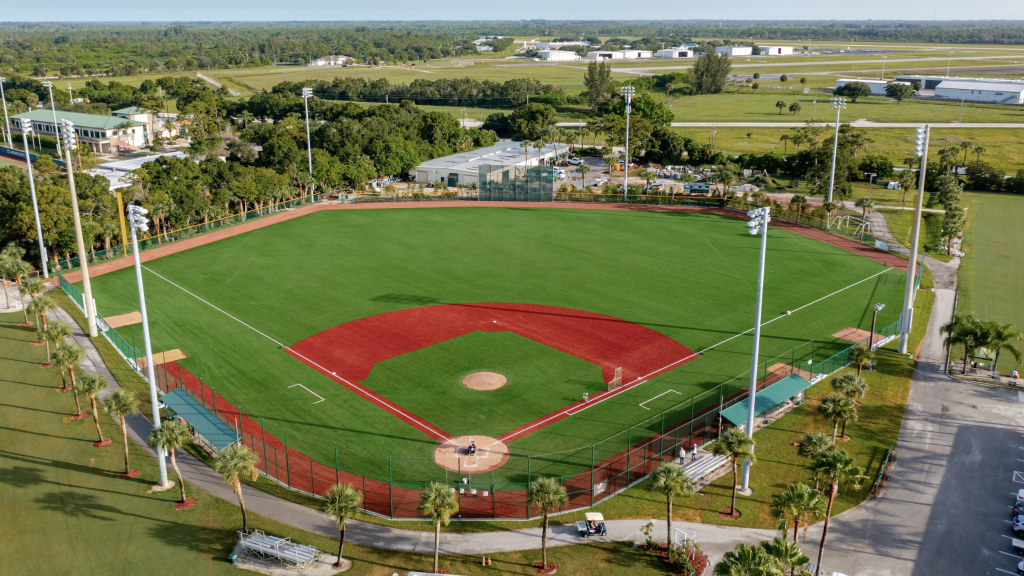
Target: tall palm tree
x: 849, y: 385
x: 838, y: 408
x: 799, y: 503
x: 979, y: 151
x: 812, y: 445
x: 171, y: 435
x: 786, y: 556
x: 836, y: 469
x: 785, y: 138
x: 999, y: 338
x: 91, y: 385
x: 865, y: 205
x: 41, y: 306
x: 342, y: 502
x: 671, y: 480
x: 525, y: 145
x: 230, y: 463
x: 610, y: 160
x: 546, y: 494
x: 735, y: 445
x: 798, y: 203
x: 439, y: 503
x: 966, y: 146
x: 965, y: 330
x: 647, y: 175
x: 582, y: 170
x: 29, y: 287
x: 746, y: 561
x: 56, y: 333
x: 861, y: 356
x: 830, y: 209
x: 68, y: 358
x: 122, y: 403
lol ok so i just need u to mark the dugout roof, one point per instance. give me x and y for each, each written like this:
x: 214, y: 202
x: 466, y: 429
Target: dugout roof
x: 205, y: 423
x: 773, y: 395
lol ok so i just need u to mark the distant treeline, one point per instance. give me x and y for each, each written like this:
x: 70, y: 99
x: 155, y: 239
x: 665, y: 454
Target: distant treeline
x: 43, y: 49
x: 441, y: 92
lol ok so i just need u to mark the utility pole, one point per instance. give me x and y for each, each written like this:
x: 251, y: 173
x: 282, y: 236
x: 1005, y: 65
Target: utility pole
x: 837, y: 103
x: 26, y: 127
x: 7, y: 121
x: 627, y: 93
x: 83, y: 261
x: 758, y: 225
x: 306, y: 94
x: 907, y: 317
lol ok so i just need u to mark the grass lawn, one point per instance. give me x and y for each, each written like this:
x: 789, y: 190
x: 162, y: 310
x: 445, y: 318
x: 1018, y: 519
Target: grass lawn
x: 555, y: 257
x: 992, y: 273
x: 66, y: 512
x: 901, y: 223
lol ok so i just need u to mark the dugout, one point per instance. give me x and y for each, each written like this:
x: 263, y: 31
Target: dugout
x: 768, y: 399
x: 208, y: 430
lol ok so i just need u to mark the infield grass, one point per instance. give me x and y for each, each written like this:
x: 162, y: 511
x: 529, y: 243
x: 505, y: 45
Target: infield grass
x: 689, y: 276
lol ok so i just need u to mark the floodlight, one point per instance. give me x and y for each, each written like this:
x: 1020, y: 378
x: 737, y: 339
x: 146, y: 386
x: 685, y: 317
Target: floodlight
x: 752, y: 213
x: 754, y: 231
x: 26, y: 125
x: 70, y: 139
x: 47, y: 84
x: 878, y: 307
x: 307, y: 92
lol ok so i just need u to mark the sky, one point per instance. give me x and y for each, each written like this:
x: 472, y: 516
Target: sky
x: 321, y: 10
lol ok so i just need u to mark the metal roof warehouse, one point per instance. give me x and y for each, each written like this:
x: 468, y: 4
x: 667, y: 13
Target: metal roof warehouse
x: 464, y: 168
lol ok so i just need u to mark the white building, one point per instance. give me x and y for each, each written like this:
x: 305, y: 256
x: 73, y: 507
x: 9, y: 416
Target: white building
x: 735, y: 50
x: 330, y: 61
x: 776, y: 50
x: 463, y: 169
x: 683, y: 51
x: 877, y: 86
x: 558, y: 45
x: 998, y: 92
x: 557, y: 55
x: 619, y: 54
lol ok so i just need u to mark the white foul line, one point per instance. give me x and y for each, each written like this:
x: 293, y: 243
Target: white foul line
x: 655, y: 398
x: 321, y: 398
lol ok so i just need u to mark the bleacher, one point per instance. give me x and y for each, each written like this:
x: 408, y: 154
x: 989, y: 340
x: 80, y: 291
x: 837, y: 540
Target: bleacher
x: 703, y: 467
x: 280, y: 549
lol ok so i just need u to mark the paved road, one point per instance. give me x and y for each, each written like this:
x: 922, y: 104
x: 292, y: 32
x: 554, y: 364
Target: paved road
x: 855, y: 124
x: 788, y: 62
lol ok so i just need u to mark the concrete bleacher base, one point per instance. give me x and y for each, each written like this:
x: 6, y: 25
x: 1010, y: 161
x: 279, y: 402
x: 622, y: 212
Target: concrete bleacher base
x: 323, y: 567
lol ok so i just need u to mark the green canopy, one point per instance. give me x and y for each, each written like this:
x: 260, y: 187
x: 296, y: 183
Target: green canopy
x: 773, y: 395
x: 205, y: 423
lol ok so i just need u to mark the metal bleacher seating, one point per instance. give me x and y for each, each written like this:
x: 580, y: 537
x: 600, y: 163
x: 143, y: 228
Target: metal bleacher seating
x: 702, y: 467
x: 280, y: 549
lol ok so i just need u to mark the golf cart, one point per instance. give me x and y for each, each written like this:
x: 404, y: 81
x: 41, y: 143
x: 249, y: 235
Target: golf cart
x: 594, y: 524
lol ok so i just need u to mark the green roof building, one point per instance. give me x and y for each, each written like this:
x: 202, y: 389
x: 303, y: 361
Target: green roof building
x: 103, y: 134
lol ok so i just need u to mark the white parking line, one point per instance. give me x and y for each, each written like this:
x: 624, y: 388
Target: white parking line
x: 656, y: 397
x: 321, y: 398
x: 1008, y: 554
x: 1007, y: 571
x: 1018, y: 477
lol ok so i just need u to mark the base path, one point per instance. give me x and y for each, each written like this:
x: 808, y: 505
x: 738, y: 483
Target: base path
x: 285, y: 215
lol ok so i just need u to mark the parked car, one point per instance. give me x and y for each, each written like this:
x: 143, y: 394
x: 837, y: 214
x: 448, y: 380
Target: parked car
x: 575, y: 161
x: 1018, y: 510
x: 1018, y: 524
x: 1020, y: 568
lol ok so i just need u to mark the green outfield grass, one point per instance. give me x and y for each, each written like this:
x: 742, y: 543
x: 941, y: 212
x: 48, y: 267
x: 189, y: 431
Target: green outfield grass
x: 688, y: 276
x: 992, y: 273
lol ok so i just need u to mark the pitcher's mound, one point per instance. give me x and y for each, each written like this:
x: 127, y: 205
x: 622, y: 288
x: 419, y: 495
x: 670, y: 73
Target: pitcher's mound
x: 454, y: 454
x: 484, y: 381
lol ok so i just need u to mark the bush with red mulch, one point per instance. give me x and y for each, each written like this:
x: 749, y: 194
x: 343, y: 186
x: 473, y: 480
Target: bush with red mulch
x: 133, y: 473
x: 700, y: 562
x: 551, y: 569
x: 188, y: 503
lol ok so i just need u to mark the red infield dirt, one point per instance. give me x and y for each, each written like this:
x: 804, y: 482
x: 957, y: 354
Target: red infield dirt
x: 174, y: 248
x: 348, y: 352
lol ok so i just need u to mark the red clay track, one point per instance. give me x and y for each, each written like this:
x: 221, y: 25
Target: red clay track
x: 125, y: 262
x: 348, y: 352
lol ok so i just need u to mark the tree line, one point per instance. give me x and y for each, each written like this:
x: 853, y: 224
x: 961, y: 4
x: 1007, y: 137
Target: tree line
x: 440, y: 92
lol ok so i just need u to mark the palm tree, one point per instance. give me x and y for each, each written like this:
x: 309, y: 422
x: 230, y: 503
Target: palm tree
x: 785, y: 556
x: 525, y: 145
x: 55, y: 333
x: 813, y: 444
x: 29, y: 287
x: 582, y: 170
x: 439, y: 503
x: 830, y: 209
x: 122, y: 403
x: 849, y: 385
x: 836, y: 468
x: 999, y: 338
x: 966, y: 146
x: 68, y: 358
x: 342, y: 502
x: 647, y: 175
x: 746, y: 561
x: 781, y: 105
x: 735, y: 445
x: 798, y: 203
x: 41, y: 305
x: 838, y: 408
x: 91, y: 385
x: 671, y: 479
x: 865, y: 205
x: 861, y: 356
x: 610, y: 160
x: 799, y: 503
x: 794, y: 108
x: 965, y: 330
x: 171, y: 435
x: 232, y: 461
x: 979, y: 151
x: 785, y: 138
x: 546, y: 494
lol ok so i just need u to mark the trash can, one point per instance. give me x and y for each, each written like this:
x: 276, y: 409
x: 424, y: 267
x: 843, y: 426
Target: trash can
x: 233, y: 558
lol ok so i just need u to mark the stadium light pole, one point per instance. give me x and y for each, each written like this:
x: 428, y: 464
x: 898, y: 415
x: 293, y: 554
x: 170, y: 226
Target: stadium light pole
x: 627, y: 93
x: 837, y: 103
x: 949, y: 63
x: 26, y: 127
x: 138, y: 222
x: 7, y: 121
x: 83, y: 263
x: 758, y: 225
x: 874, y: 316
x: 56, y: 125
x: 306, y: 94
x: 907, y: 317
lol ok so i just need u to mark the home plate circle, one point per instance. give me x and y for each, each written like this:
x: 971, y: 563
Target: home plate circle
x: 455, y: 455
x: 484, y: 381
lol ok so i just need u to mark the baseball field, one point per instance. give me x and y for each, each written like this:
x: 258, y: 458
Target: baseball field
x: 354, y: 330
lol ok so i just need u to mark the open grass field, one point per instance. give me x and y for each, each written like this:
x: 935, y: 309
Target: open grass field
x: 689, y: 277
x: 992, y: 273
x: 66, y: 512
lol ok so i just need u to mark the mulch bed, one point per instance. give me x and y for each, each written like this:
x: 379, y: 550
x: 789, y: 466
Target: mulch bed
x: 700, y: 563
x: 35, y: 343
x: 29, y: 323
x: 843, y: 438
x: 726, y: 515
x: 133, y: 473
x: 78, y: 416
x: 63, y: 389
x: 103, y: 444
x: 188, y: 503
x: 551, y: 569
x: 45, y: 365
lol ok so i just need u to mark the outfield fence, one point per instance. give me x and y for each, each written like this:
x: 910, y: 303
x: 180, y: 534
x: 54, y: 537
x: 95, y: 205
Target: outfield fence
x: 600, y: 470
x: 155, y: 240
